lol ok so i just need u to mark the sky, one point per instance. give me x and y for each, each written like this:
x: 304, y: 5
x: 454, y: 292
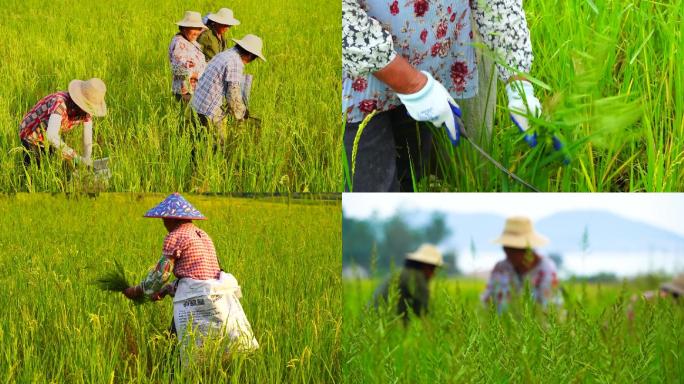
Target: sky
x: 664, y: 210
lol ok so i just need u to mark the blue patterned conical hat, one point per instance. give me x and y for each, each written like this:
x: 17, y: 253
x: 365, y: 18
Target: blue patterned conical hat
x: 175, y: 207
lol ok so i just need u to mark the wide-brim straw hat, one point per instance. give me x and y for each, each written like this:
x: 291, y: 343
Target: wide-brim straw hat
x: 519, y: 233
x: 89, y: 95
x: 676, y: 285
x: 175, y: 207
x: 427, y: 254
x: 191, y: 20
x: 224, y: 16
x: 251, y: 44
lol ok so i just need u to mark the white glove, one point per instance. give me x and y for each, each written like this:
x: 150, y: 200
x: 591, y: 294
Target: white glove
x: 522, y: 103
x: 82, y: 160
x: 431, y: 104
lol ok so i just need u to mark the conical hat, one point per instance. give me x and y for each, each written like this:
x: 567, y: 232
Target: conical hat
x: 175, y: 207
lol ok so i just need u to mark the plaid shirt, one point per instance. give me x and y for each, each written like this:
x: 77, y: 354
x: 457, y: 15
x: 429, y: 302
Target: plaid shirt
x: 224, y: 69
x: 187, y: 64
x: 189, y: 252
x: 35, y: 122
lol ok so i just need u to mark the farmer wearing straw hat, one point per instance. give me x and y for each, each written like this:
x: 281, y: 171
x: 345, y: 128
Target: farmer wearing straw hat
x: 412, y: 284
x: 200, y: 286
x: 522, y: 265
x: 415, y: 61
x: 186, y: 57
x: 213, y: 40
x: 673, y: 290
x: 224, y: 79
x: 59, y: 113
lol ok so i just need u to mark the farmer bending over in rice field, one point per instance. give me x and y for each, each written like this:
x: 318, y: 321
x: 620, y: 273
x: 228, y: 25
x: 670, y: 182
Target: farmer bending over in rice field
x: 522, y: 265
x: 224, y: 80
x: 670, y: 290
x: 202, y: 291
x: 213, y: 40
x: 186, y: 57
x: 413, y: 73
x: 412, y: 284
x: 59, y: 113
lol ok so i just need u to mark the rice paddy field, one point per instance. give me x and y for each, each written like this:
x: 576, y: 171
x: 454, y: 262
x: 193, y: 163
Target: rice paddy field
x: 609, y: 77
x: 56, y: 326
x: 295, y: 94
x: 592, y: 340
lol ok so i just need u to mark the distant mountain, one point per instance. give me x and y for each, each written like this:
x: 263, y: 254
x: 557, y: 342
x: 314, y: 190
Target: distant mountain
x: 605, y: 232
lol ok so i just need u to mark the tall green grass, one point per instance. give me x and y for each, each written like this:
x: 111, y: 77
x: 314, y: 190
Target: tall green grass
x: 591, y: 341
x: 296, y: 94
x: 56, y: 326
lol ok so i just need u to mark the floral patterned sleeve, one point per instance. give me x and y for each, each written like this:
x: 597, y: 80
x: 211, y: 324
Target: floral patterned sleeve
x: 545, y: 283
x: 503, y: 27
x: 366, y: 46
x: 158, y: 276
x: 498, y: 289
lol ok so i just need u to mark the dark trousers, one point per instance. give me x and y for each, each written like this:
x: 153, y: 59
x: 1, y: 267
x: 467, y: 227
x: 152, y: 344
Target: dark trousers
x: 35, y: 153
x: 390, y: 143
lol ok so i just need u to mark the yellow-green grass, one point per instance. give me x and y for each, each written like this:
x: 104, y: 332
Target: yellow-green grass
x: 460, y: 341
x: 296, y: 94
x: 56, y: 326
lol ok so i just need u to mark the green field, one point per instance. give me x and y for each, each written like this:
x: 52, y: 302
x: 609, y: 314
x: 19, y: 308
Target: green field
x: 56, y: 326
x: 296, y: 94
x: 591, y: 341
x: 608, y: 73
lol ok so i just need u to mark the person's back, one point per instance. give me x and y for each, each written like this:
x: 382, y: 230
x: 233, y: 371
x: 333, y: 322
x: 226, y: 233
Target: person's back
x: 411, y: 289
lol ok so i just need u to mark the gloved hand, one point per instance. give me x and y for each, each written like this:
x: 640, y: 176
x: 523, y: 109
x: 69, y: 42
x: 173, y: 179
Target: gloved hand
x: 133, y: 292
x: 522, y: 103
x: 434, y: 104
x: 82, y: 160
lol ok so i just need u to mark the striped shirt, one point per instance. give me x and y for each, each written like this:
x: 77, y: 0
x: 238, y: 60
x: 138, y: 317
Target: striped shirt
x: 34, y: 123
x: 224, y: 70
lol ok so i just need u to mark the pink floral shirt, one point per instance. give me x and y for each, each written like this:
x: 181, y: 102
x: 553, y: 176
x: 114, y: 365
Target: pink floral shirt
x: 504, y: 282
x: 433, y: 37
x: 187, y: 64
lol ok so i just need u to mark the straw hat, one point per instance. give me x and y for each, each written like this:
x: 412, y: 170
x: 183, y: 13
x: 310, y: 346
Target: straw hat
x: 252, y: 44
x: 519, y: 233
x: 676, y: 285
x: 427, y: 254
x: 89, y: 95
x: 191, y: 20
x: 223, y: 16
x: 175, y: 207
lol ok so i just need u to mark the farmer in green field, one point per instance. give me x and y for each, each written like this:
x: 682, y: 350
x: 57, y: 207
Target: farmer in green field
x: 412, y: 285
x: 408, y: 60
x: 671, y: 290
x: 186, y: 57
x: 59, y: 113
x: 213, y: 40
x: 522, y: 265
x: 205, y: 297
x: 225, y: 81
